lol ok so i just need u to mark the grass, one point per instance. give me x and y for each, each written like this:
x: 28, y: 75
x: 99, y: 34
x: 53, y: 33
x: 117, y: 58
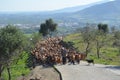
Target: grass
x: 108, y: 54
x: 18, y: 69
x: 28, y: 35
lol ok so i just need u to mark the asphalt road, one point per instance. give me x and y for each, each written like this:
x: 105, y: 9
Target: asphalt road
x: 83, y: 71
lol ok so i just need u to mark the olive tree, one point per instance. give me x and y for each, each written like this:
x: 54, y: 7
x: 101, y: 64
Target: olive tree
x: 87, y: 34
x: 116, y: 42
x: 101, y: 37
x: 11, y: 43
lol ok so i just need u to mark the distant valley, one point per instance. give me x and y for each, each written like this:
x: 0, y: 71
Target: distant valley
x: 102, y: 12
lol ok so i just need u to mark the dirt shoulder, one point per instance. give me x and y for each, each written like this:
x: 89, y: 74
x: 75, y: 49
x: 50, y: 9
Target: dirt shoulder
x: 42, y: 73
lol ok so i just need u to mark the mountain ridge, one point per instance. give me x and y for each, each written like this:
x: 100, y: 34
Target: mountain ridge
x: 106, y: 12
x: 100, y: 12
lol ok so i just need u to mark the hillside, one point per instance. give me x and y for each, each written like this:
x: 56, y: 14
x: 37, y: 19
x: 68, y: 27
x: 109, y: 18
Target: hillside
x: 102, y: 9
x: 108, y: 54
x: 69, y: 18
x: 106, y: 12
x: 69, y: 14
x: 77, y: 8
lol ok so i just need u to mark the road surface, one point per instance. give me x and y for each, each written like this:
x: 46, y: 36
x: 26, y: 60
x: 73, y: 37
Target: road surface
x: 83, y: 71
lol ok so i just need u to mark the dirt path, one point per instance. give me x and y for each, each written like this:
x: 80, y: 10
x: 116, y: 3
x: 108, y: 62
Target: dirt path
x: 41, y: 73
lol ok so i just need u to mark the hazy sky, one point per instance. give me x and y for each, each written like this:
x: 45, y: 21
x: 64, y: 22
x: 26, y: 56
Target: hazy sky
x: 40, y: 5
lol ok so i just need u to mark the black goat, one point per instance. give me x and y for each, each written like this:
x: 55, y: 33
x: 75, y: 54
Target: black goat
x: 90, y: 61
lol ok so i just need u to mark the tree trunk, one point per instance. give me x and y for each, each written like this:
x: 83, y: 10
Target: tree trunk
x: 8, y: 69
x: 119, y: 50
x: 1, y: 69
x: 98, y: 50
x: 98, y: 55
x: 87, y: 48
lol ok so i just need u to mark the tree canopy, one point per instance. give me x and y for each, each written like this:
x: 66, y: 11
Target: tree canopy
x: 48, y: 27
x: 11, y: 42
x: 103, y: 27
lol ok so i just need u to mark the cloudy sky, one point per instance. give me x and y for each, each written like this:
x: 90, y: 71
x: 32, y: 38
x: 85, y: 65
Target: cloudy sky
x: 40, y: 5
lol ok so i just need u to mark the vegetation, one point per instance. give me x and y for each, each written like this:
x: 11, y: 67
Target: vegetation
x: 21, y: 66
x: 48, y: 27
x: 87, y: 34
x: 100, y: 45
x: 116, y: 42
x: 12, y: 43
x: 97, y: 42
x: 101, y: 37
x: 18, y: 69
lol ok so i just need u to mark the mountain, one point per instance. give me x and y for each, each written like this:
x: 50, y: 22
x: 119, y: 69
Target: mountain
x: 77, y: 8
x: 68, y: 19
x: 62, y: 15
x: 107, y: 12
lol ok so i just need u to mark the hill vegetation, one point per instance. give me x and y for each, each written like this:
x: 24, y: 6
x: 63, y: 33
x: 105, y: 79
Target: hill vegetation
x: 103, y: 48
x: 18, y: 68
x: 100, y: 42
x: 15, y: 58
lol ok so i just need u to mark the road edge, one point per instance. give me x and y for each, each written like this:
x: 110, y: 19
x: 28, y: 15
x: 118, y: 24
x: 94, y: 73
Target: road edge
x: 58, y: 73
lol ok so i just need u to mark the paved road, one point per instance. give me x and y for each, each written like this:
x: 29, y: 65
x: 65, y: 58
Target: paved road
x: 85, y: 72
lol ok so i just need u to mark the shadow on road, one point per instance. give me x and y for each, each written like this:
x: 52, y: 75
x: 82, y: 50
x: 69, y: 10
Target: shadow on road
x: 113, y: 67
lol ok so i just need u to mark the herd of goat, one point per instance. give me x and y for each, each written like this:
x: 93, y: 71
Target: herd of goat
x: 53, y: 51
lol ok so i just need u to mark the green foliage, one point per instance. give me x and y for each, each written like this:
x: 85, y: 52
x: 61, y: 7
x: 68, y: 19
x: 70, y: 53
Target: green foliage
x: 10, y: 39
x: 43, y: 29
x: 88, y: 35
x: 12, y: 42
x: 18, y: 69
x: 32, y: 40
x: 35, y: 37
x: 117, y: 35
x: 48, y: 27
x: 103, y: 27
x: 116, y: 42
x: 108, y: 54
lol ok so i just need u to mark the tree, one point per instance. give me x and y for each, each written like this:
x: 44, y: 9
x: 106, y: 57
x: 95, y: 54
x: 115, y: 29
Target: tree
x: 48, y: 27
x: 87, y: 34
x: 113, y: 29
x: 34, y: 39
x: 100, y: 37
x: 43, y: 29
x: 103, y: 27
x: 116, y: 42
x: 11, y: 43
